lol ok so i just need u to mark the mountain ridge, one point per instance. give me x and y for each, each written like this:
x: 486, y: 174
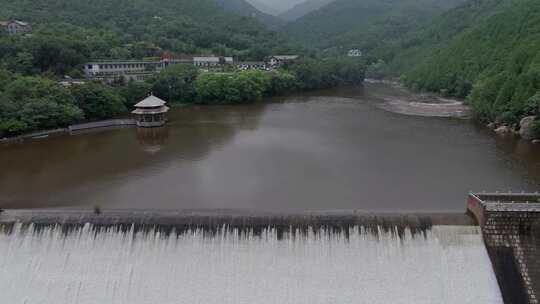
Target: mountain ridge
x: 304, y: 8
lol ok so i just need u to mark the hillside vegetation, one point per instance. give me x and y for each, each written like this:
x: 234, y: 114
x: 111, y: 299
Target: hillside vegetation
x: 364, y: 24
x: 82, y: 29
x: 244, y: 8
x: 414, y: 46
x: 303, y: 9
x: 486, y: 51
x: 494, y: 62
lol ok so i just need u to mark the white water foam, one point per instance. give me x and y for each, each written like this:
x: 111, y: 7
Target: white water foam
x: 449, y: 266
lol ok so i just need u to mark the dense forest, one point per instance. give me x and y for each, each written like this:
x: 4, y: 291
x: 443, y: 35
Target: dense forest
x: 363, y: 24
x: 68, y: 32
x: 244, y: 8
x: 303, y: 8
x: 495, y: 64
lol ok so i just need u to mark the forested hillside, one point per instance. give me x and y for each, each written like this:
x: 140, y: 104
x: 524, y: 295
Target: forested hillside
x: 263, y: 7
x: 485, y: 50
x: 494, y: 61
x: 68, y: 32
x: 415, y: 46
x: 243, y: 8
x: 303, y: 9
x: 364, y: 24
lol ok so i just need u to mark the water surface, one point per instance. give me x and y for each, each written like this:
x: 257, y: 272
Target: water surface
x: 334, y: 149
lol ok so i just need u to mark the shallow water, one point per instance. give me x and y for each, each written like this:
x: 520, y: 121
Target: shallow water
x: 448, y: 265
x: 334, y: 149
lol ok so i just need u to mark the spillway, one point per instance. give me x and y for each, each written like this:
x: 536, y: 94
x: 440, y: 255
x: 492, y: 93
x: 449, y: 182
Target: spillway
x: 85, y: 265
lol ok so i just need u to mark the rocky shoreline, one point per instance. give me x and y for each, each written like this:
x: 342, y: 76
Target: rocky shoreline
x: 444, y: 107
x: 420, y: 104
x: 524, y: 130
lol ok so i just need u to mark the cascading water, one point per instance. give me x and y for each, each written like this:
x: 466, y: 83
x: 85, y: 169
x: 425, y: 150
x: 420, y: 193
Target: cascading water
x: 447, y: 264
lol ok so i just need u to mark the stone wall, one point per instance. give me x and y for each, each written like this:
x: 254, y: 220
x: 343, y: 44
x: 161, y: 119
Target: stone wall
x: 511, y: 231
x: 511, y: 239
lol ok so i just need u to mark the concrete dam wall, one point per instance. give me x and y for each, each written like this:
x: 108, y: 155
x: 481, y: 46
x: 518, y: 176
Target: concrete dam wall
x: 122, y: 256
x: 85, y: 265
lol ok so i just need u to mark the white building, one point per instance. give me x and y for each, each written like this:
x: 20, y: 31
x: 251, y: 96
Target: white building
x: 139, y: 70
x: 251, y: 65
x: 354, y: 53
x: 127, y: 70
x: 16, y: 27
x: 212, y: 61
x: 122, y: 70
x: 279, y: 60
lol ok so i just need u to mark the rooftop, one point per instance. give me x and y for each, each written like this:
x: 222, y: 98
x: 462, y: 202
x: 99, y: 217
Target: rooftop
x: 286, y: 57
x: 123, y: 61
x: 21, y: 23
x: 151, y: 102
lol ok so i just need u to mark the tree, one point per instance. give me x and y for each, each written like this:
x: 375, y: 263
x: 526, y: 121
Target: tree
x: 5, y: 78
x: 282, y: 81
x: 175, y: 83
x: 22, y: 63
x: 33, y: 103
x: 328, y: 72
x: 98, y: 101
x: 134, y: 92
x: 226, y: 88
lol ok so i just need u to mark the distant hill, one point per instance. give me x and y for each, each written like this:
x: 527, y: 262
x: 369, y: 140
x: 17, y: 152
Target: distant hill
x: 280, y: 6
x: 264, y: 7
x: 303, y: 9
x: 243, y: 8
x: 211, y: 26
x: 364, y: 24
x: 488, y: 51
x: 408, y: 51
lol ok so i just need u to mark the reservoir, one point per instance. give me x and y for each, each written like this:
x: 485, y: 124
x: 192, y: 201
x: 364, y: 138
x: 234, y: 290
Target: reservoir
x: 337, y: 149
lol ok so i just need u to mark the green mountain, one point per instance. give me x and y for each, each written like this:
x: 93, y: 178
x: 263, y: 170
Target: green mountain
x: 263, y: 7
x: 243, y: 8
x: 303, y: 9
x: 487, y: 51
x: 364, y: 24
x: 410, y: 50
x: 181, y: 25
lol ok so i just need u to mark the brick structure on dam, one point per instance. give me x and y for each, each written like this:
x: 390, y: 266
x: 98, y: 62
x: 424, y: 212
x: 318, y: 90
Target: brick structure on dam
x: 511, y: 230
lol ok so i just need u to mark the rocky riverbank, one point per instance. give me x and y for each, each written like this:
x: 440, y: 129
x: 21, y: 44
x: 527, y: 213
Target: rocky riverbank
x: 526, y: 129
x: 434, y: 105
x: 419, y: 104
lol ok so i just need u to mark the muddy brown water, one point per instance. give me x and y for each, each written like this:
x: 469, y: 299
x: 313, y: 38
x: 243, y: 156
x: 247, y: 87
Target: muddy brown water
x: 326, y: 150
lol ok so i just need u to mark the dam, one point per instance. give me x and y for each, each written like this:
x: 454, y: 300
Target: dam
x: 71, y: 256
x: 82, y: 266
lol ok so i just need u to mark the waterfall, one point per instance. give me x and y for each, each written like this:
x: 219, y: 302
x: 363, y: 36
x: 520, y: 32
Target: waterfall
x: 447, y: 264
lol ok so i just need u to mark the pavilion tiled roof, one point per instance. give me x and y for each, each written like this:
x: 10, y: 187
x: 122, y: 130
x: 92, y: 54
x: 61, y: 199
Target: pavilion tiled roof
x: 151, y: 102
